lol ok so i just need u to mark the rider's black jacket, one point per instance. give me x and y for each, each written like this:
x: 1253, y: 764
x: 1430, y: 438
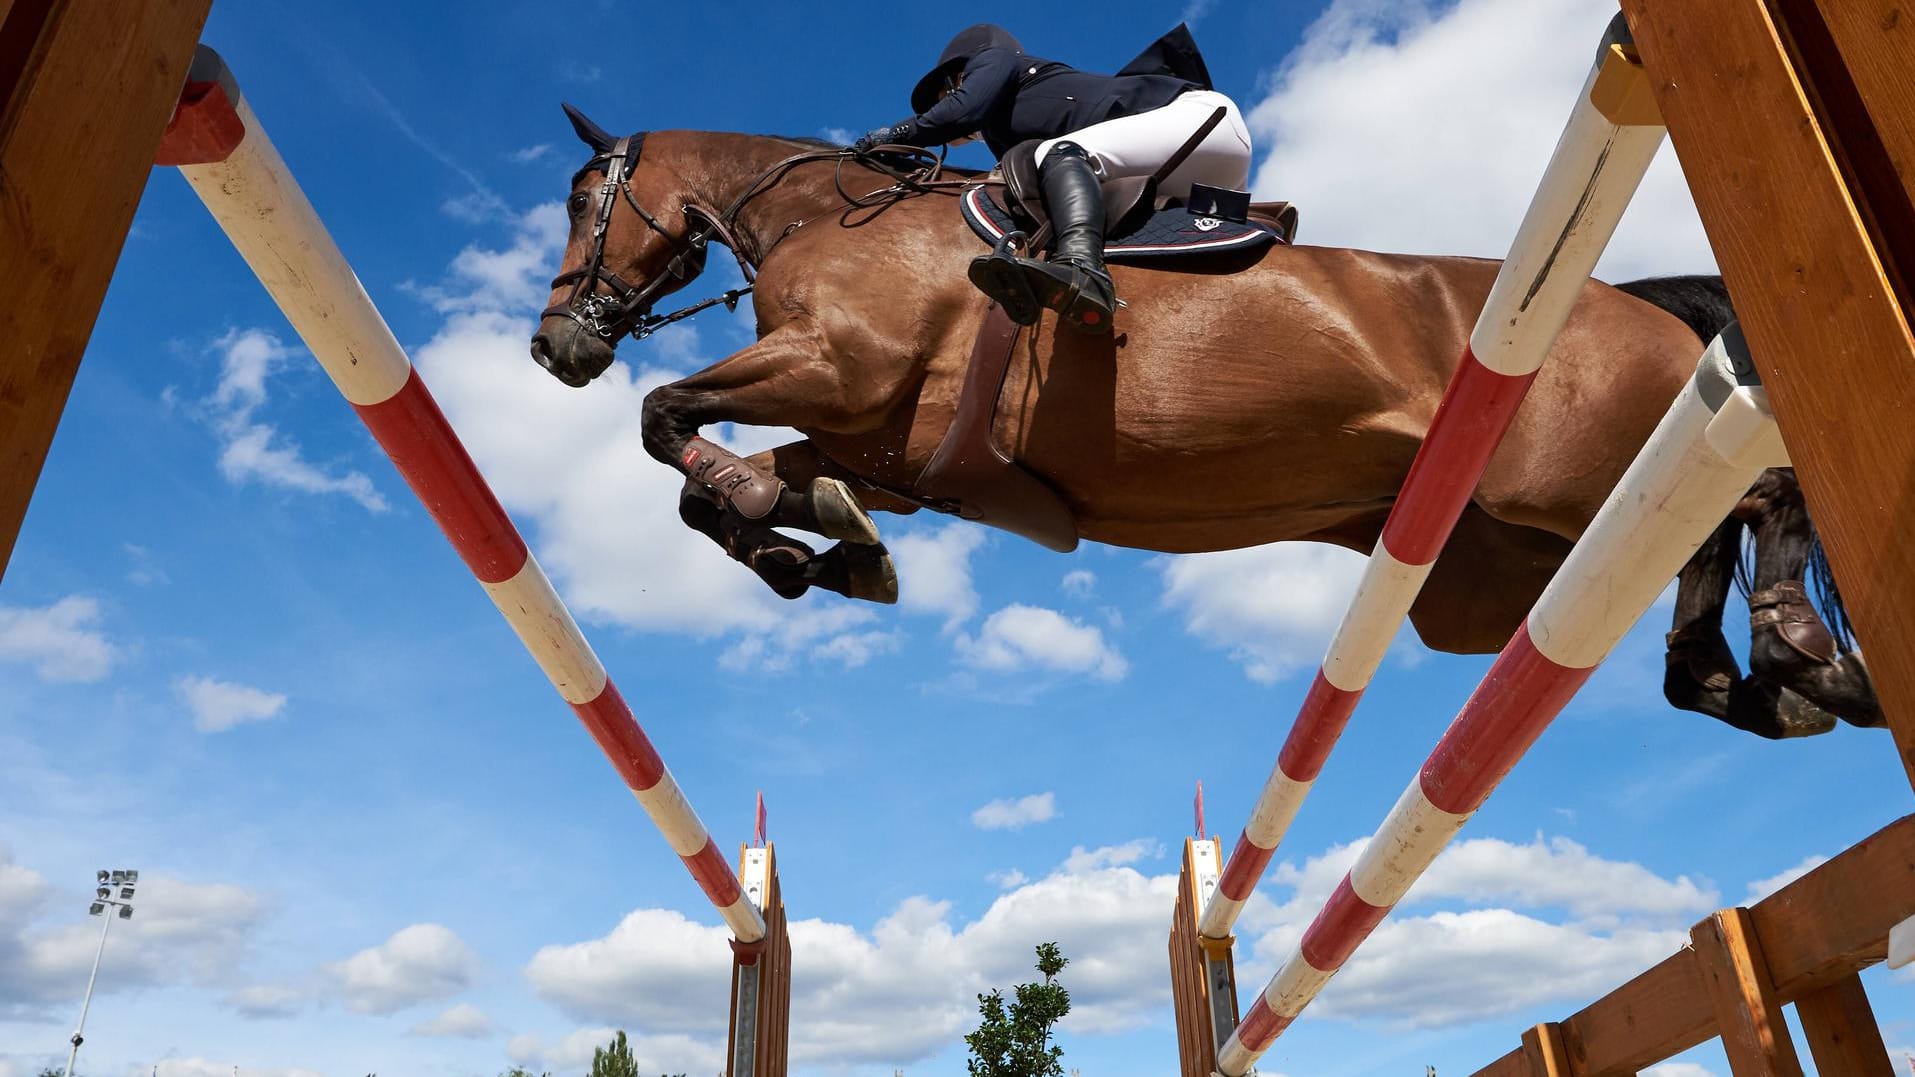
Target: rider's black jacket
x: 1008, y: 97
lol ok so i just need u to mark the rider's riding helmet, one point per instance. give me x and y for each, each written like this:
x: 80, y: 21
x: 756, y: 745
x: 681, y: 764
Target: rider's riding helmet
x: 968, y: 43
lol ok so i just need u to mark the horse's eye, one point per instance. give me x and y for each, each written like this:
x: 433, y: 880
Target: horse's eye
x: 576, y: 205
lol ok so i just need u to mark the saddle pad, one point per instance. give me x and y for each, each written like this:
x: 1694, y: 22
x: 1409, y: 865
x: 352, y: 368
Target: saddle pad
x: 1172, y: 233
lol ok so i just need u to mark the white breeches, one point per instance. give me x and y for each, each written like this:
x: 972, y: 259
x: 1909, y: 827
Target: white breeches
x: 1133, y: 146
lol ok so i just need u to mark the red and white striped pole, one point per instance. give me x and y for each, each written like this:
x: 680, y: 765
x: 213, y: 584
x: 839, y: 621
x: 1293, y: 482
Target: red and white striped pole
x: 1597, y: 166
x: 1713, y: 442
x: 225, y: 154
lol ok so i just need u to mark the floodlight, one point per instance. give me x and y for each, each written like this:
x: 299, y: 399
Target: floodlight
x: 104, y: 892
x: 102, y: 875
x: 126, y: 912
x: 119, y: 877
x: 96, y: 909
x: 132, y: 876
x: 126, y: 892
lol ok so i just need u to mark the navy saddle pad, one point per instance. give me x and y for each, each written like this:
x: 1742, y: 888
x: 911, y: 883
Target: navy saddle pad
x: 1171, y: 233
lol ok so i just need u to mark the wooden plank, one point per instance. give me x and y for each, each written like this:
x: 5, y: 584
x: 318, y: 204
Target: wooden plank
x: 88, y: 88
x: 1827, y: 330
x: 1543, y: 1051
x: 1748, y: 1015
x: 1512, y: 1064
x: 1817, y: 931
x: 1842, y: 1033
x: 1835, y: 920
x: 1663, y: 1012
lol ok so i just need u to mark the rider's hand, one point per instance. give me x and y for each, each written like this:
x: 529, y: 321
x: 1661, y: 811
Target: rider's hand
x: 881, y: 136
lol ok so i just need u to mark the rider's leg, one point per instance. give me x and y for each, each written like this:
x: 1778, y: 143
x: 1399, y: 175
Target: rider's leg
x: 1136, y: 146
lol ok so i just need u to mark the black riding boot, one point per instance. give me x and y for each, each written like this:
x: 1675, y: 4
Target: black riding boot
x: 1074, y: 283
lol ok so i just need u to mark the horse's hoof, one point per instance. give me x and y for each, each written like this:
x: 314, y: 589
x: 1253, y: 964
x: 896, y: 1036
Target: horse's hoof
x: 869, y: 574
x: 839, y: 515
x: 1775, y: 713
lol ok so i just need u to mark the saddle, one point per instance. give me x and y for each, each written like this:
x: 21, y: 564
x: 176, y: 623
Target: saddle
x: 1139, y: 225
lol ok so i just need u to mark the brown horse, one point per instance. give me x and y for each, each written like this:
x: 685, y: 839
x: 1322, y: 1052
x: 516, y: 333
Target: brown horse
x: 1278, y: 398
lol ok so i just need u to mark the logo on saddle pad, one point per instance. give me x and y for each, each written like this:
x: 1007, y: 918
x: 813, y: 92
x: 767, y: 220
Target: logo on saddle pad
x: 1207, y: 224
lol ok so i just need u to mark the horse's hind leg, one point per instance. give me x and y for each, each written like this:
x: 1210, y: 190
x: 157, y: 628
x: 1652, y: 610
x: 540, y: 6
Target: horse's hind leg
x: 1790, y: 646
x: 1700, y: 668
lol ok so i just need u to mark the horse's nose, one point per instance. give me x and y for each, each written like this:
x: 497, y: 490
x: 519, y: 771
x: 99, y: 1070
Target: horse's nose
x: 542, y: 355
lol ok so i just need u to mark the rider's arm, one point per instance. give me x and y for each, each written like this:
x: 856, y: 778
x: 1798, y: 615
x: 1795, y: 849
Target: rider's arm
x: 987, y: 78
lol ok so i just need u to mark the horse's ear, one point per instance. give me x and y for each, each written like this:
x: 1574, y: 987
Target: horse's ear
x: 588, y: 132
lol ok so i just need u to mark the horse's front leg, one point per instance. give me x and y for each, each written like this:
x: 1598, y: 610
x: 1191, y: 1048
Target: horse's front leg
x: 782, y: 380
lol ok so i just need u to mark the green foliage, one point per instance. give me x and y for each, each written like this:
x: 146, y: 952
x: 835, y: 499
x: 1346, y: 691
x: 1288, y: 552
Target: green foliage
x: 521, y: 1071
x: 614, y: 1059
x: 1015, y: 1041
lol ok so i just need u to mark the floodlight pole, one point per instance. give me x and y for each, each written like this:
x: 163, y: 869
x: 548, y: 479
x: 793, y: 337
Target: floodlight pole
x: 80, y: 1029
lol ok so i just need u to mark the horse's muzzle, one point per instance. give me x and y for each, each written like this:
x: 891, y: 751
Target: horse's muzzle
x: 570, y: 354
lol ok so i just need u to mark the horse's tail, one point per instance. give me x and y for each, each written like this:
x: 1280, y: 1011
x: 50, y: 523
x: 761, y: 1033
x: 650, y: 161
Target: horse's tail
x: 1702, y: 302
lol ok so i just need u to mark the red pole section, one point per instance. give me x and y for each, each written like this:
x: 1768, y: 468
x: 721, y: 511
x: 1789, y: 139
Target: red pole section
x: 1597, y: 166
x: 227, y: 158
x: 1713, y: 442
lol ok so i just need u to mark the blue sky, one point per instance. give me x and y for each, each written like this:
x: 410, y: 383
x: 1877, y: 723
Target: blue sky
x: 236, y: 655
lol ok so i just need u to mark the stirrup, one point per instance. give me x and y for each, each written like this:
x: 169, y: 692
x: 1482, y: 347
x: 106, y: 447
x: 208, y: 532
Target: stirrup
x: 1001, y: 275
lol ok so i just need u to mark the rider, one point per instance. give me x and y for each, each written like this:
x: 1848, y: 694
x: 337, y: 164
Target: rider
x: 1094, y: 128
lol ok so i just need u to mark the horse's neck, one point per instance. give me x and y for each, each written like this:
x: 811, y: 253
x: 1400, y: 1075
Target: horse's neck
x: 733, y: 163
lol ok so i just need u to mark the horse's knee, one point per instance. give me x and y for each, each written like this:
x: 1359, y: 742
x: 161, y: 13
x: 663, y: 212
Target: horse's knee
x: 664, y: 422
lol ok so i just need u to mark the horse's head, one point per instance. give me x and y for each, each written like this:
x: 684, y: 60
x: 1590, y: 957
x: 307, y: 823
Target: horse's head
x: 635, y: 236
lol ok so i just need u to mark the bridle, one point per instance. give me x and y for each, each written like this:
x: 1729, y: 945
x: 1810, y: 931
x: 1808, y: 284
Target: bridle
x: 626, y: 308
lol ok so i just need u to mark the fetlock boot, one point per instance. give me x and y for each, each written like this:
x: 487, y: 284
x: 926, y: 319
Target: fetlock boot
x: 1074, y: 283
x: 734, y: 482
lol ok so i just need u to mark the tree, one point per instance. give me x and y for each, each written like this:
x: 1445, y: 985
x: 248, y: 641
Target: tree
x: 521, y: 1071
x: 1016, y: 1041
x: 614, y: 1059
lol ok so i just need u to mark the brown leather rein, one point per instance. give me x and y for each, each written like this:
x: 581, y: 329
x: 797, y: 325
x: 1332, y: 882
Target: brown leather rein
x: 626, y: 308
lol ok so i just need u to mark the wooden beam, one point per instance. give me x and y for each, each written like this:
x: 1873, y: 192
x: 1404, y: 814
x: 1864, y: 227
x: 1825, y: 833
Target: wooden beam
x: 1835, y: 920
x: 86, y: 88
x: 1801, y: 203
x: 1748, y: 1015
x: 1841, y: 1030
x: 1816, y: 931
x: 1543, y: 1051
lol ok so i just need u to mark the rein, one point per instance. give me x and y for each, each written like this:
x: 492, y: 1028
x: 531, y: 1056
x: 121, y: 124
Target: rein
x: 626, y: 308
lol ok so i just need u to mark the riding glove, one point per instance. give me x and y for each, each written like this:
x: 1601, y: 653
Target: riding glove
x: 884, y: 136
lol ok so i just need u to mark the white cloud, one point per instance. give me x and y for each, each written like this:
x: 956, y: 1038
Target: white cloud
x: 1450, y: 153
x: 420, y: 963
x: 1678, y: 1069
x: 843, y: 136
x: 1272, y: 607
x: 895, y: 995
x: 266, y: 1000
x: 1020, y: 637
x: 1016, y: 814
x: 219, y: 705
x: 201, y: 1067
x: 934, y: 570
x: 1762, y: 888
x: 1008, y: 879
x: 1079, y: 582
x: 464, y: 1021
x: 253, y: 451
x: 529, y: 154
x: 59, y: 641
x: 182, y: 933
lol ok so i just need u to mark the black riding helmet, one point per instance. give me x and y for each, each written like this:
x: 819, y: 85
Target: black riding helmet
x: 968, y: 43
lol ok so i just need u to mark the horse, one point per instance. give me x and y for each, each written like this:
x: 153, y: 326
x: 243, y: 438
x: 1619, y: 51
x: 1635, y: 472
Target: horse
x: 1277, y: 396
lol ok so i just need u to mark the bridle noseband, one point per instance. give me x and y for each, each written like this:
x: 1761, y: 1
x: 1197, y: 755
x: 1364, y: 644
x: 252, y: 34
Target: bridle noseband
x: 627, y: 307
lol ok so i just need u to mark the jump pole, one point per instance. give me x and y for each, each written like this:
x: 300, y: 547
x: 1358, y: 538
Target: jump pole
x: 1713, y: 442
x: 230, y: 162
x: 1612, y: 135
